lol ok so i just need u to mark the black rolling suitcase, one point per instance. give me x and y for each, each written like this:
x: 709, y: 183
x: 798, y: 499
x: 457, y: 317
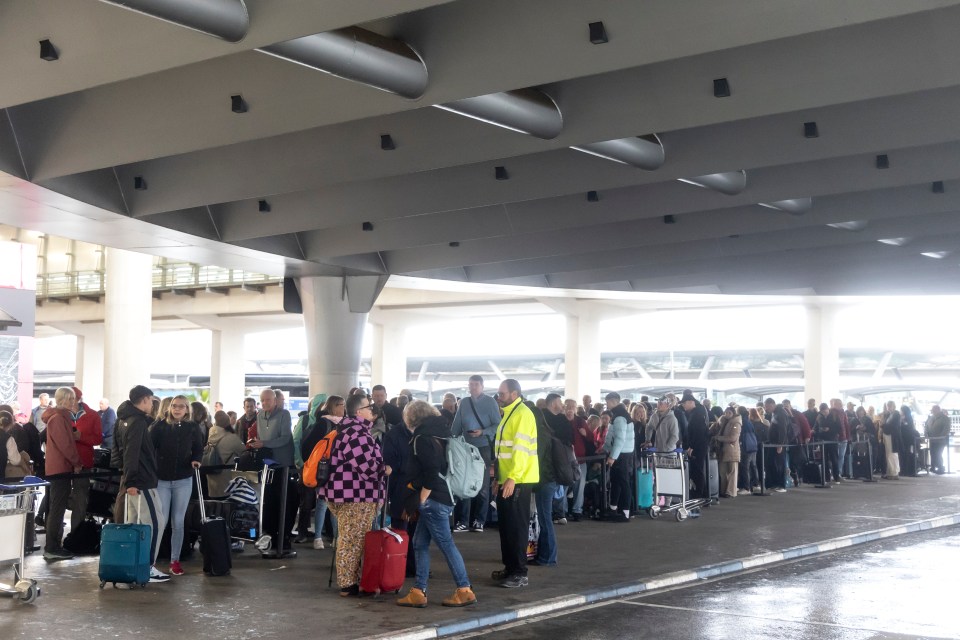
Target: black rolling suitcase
x: 214, y: 542
x: 713, y: 479
x: 811, y: 473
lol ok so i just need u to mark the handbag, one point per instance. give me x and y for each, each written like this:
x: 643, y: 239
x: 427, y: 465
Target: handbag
x: 252, y: 459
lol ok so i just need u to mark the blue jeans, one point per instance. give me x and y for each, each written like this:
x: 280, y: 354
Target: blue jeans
x: 318, y: 517
x: 842, y: 457
x: 435, y: 523
x: 578, y: 493
x: 547, y: 543
x: 174, y: 497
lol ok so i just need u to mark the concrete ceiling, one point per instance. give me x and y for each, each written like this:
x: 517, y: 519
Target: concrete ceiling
x: 133, y: 96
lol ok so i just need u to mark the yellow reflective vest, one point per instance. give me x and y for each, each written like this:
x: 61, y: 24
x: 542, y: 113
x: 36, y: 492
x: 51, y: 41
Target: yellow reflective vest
x: 516, y: 445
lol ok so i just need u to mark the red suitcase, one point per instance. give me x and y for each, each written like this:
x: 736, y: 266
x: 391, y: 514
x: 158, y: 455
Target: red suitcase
x: 384, y: 561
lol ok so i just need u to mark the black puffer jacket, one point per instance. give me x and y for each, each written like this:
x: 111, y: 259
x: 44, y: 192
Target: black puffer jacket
x: 133, y: 450
x: 178, y: 445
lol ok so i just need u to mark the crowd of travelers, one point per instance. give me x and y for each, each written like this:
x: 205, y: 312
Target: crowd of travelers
x: 386, y: 461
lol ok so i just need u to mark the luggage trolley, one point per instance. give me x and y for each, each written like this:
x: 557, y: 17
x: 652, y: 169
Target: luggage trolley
x: 672, y: 479
x: 16, y: 502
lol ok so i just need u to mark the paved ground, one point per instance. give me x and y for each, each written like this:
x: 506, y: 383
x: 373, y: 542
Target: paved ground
x: 898, y: 588
x: 273, y: 599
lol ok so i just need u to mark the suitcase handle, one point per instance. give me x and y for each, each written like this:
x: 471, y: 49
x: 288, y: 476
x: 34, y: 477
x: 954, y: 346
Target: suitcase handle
x: 203, y: 509
x: 126, y: 505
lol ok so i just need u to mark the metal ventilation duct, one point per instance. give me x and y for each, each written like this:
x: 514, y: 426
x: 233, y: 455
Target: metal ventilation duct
x: 730, y: 183
x: 227, y: 19
x: 793, y: 206
x: 359, y: 55
x: 529, y: 111
x: 643, y: 152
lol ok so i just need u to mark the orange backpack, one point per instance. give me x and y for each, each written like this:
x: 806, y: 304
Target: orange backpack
x: 316, y: 469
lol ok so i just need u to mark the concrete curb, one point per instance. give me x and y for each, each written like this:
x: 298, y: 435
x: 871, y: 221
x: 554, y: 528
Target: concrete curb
x: 676, y: 578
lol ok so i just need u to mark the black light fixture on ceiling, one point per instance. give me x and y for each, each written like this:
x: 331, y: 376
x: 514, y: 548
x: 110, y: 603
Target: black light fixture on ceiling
x: 368, y: 226
x: 454, y: 244
x: 721, y: 88
x: 386, y: 142
x: 238, y: 104
x: 883, y: 162
x: 263, y: 206
x: 139, y: 183
x: 501, y: 173
x: 48, y: 52
x: 593, y: 196
x: 810, y: 130
x: 598, y: 33
x: 669, y: 219
x: 938, y: 186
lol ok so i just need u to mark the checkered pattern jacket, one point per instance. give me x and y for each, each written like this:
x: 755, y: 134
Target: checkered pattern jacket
x: 356, y: 465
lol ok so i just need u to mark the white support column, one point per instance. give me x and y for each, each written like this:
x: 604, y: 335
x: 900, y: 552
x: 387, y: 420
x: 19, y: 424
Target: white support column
x: 582, y: 358
x: 128, y: 309
x: 227, y: 368
x: 89, y: 370
x: 821, y: 357
x: 334, y: 335
x: 389, y: 359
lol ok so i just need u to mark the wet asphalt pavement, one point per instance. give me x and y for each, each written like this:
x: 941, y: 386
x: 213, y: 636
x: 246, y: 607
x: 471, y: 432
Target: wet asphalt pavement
x: 900, y: 588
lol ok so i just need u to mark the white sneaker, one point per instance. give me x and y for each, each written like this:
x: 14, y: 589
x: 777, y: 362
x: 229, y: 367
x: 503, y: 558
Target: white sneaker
x: 755, y: 489
x: 318, y: 543
x: 158, y: 576
x: 743, y: 492
x: 780, y: 490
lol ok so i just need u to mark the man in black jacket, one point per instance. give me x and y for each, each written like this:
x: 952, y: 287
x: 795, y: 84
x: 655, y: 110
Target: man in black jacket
x: 563, y: 431
x: 781, y: 427
x: 697, y: 443
x: 134, y: 449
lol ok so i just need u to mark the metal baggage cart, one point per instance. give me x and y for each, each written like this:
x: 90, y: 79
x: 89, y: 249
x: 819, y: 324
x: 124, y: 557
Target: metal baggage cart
x: 16, y: 502
x: 672, y: 480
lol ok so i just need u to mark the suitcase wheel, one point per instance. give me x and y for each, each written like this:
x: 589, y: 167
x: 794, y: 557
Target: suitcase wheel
x: 654, y: 512
x: 102, y: 584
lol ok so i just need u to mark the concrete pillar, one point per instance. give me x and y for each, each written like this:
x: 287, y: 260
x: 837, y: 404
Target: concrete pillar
x: 89, y: 370
x: 821, y: 357
x: 334, y: 335
x: 227, y: 368
x: 128, y: 314
x: 389, y: 359
x: 582, y: 359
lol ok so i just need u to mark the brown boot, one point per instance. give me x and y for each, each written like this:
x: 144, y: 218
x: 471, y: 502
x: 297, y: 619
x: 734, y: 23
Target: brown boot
x: 461, y: 598
x: 415, y: 598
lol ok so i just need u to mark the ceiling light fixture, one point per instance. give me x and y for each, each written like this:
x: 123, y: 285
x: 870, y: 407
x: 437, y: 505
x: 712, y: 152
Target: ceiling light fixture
x: 644, y: 152
x: 894, y: 242
x: 139, y: 183
x: 500, y: 173
x: 793, y: 206
x: 529, y: 111
x: 598, y: 33
x: 263, y: 206
x: 359, y: 55
x: 48, y: 52
x: 721, y: 88
x: 729, y: 183
x: 851, y: 225
x: 454, y: 244
x: 226, y: 19
x: 883, y: 162
x: 669, y: 219
x: 238, y: 104
x: 936, y: 255
x: 593, y: 196
x: 367, y: 226
x: 937, y: 186
x: 386, y: 142
x: 810, y: 130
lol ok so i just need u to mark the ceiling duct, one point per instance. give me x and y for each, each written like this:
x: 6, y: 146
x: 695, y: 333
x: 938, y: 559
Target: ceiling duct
x: 793, y: 206
x: 227, y: 19
x: 643, y: 152
x: 730, y: 183
x: 529, y: 111
x: 359, y: 55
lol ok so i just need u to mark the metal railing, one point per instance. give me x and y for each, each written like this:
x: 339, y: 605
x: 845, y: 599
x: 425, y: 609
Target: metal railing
x: 166, y: 277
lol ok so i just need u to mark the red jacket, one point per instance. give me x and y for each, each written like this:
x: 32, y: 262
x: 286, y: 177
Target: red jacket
x: 91, y: 434
x: 579, y: 441
x: 62, y: 456
x: 806, y: 431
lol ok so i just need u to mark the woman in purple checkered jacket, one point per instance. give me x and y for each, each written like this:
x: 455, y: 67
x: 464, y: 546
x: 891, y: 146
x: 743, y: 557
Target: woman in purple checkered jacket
x: 354, y: 489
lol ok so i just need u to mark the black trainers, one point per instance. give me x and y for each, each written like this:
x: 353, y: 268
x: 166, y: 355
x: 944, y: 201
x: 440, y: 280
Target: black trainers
x: 515, y: 581
x: 57, y: 554
x: 476, y: 527
x: 460, y: 528
x: 499, y: 574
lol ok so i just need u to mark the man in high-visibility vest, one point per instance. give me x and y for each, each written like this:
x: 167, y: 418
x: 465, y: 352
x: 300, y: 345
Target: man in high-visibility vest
x: 518, y: 470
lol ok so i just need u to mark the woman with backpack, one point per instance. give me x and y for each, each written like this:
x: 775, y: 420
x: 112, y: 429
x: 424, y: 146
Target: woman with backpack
x: 179, y: 447
x: 324, y: 418
x: 223, y: 447
x: 429, y: 497
x: 354, y: 489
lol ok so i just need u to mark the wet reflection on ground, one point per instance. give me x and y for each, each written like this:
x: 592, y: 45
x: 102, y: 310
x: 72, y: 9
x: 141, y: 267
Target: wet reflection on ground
x: 900, y: 588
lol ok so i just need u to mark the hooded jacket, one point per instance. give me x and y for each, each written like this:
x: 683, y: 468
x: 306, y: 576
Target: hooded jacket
x: 62, y: 454
x: 429, y: 459
x: 134, y: 449
x: 620, y: 436
x: 305, y: 425
x: 91, y: 434
x: 177, y: 446
x: 728, y: 432
x: 698, y: 432
x: 663, y: 431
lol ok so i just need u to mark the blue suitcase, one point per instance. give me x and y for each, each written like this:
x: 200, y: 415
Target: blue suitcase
x: 644, y: 488
x: 125, y: 554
